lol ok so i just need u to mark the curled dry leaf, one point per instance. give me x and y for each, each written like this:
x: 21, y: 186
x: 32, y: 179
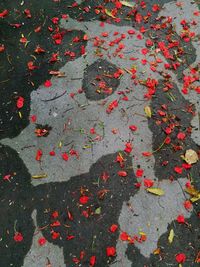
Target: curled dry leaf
x: 191, y: 156
x: 155, y: 191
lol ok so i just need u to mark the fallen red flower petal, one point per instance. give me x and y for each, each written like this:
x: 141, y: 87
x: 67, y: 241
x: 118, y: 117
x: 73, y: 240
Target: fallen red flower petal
x: 122, y: 173
x: 147, y: 154
x: 52, y: 153
x: 112, y: 106
x: 42, y: 241
x: 178, y: 169
x: 55, y: 235
x: 84, y: 199
x: 55, y: 224
x: 2, y: 48
x: 4, y: 13
x: 69, y: 215
x: 65, y: 156
x: 188, y: 205
x: 39, y: 155
x: 113, y: 228
x: 92, y: 261
x: 55, y: 214
x: 18, y: 237
x: 139, y: 172
x: 20, y: 102
x: 110, y: 251
x: 181, y: 258
x: 33, y: 118
x: 27, y: 12
x: 181, y: 136
x: 180, y: 219
x: 70, y: 237
x: 133, y: 128
x: 128, y: 148
x: 47, y: 83
x: 148, y: 182
x: 124, y: 236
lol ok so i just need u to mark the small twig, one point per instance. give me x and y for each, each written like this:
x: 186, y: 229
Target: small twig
x: 54, y: 98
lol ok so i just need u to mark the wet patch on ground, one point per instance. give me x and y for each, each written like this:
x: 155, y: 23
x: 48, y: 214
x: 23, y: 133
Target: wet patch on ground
x: 74, y: 215
x: 99, y: 80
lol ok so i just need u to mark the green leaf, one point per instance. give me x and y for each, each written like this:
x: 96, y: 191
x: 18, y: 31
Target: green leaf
x: 98, y: 211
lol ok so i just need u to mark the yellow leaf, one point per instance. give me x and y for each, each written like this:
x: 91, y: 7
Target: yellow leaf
x: 148, y: 112
x: 156, y: 251
x: 194, y: 193
x: 126, y: 3
x: 20, y: 114
x: 108, y: 12
x: 195, y: 199
x: 39, y: 176
x: 156, y: 191
x: 171, y: 236
x: 86, y: 146
x: 60, y: 144
x: 142, y: 233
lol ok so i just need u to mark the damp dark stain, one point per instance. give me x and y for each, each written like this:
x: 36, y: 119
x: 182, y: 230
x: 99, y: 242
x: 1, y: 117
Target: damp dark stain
x: 99, y: 81
x: 19, y: 198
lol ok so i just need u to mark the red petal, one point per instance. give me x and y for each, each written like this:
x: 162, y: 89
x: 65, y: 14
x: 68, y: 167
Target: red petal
x: 83, y: 199
x: 122, y: 173
x: 180, y: 258
x: 20, y: 102
x: 47, y: 83
x: 92, y: 261
x: 180, y: 219
x: 148, y: 182
x: 110, y: 251
x: 65, y: 156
